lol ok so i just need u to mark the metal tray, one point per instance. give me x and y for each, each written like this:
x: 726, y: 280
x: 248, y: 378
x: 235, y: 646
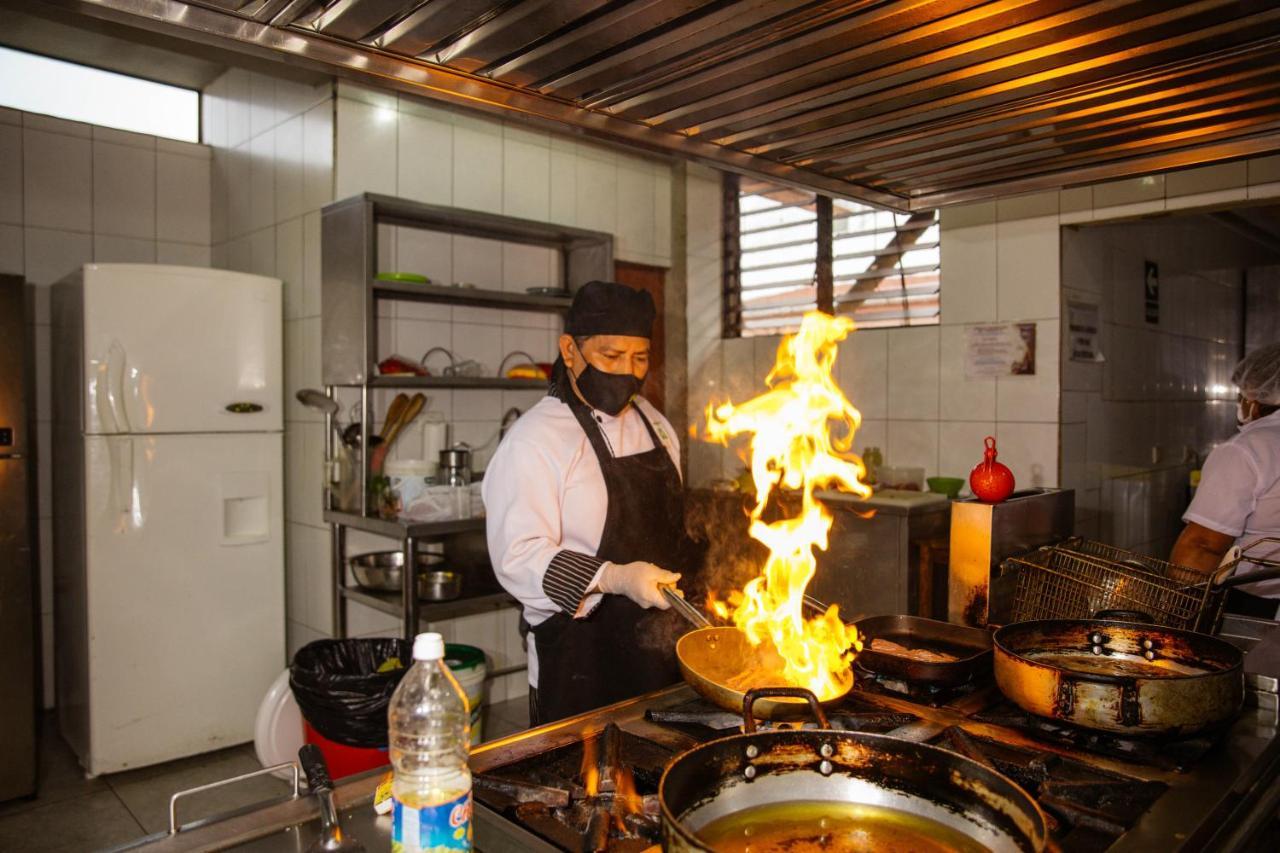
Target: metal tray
x: 971, y: 646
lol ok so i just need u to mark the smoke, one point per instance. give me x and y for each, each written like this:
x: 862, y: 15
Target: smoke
x: 718, y: 521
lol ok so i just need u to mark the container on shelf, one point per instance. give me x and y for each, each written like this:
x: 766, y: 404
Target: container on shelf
x: 409, y: 478
x: 421, y: 442
x: 343, y: 478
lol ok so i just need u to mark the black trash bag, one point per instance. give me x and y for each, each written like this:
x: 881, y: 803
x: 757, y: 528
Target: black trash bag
x: 340, y: 691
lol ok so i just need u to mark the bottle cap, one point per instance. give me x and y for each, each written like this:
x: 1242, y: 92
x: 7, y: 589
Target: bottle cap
x: 428, y: 646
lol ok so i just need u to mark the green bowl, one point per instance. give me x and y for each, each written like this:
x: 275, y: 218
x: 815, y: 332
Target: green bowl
x: 949, y: 486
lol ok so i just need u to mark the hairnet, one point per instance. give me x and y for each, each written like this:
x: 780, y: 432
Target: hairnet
x: 1258, y: 375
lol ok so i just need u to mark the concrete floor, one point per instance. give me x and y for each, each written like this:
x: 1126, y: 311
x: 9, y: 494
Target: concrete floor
x: 72, y: 813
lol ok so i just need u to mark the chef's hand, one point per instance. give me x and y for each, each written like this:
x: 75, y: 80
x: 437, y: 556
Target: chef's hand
x: 641, y: 582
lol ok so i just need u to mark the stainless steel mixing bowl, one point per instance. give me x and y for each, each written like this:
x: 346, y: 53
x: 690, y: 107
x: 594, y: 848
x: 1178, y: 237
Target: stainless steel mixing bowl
x: 380, y: 571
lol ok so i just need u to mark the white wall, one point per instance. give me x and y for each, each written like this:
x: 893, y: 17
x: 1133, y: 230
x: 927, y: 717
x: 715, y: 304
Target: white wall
x: 73, y: 193
x: 356, y: 140
x: 409, y: 148
x: 272, y: 144
x: 1163, y: 395
x: 999, y: 263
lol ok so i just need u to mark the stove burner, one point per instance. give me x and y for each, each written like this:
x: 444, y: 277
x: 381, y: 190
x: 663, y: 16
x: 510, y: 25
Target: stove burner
x: 1088, y: 808
x: 1164, y: 753
x: 926, y: 694
x: 549, y: 795
x: 704, y: 721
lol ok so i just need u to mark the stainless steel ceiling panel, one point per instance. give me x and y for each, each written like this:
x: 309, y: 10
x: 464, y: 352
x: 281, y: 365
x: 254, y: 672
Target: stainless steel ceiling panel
x: 902, y: 103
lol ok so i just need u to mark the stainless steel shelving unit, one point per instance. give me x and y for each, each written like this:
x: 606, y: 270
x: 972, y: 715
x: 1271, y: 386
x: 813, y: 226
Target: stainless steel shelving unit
x: 350, y: 293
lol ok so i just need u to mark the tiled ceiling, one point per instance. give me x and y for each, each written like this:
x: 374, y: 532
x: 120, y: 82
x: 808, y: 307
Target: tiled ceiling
x: 909, y: 104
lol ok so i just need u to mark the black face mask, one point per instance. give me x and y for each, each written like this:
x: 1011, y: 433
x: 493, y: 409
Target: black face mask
x: 608, y: 392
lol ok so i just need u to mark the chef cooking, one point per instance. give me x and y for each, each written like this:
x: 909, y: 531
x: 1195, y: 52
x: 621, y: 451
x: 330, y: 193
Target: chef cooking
x: 586, y: 514
x: 1238, y: 501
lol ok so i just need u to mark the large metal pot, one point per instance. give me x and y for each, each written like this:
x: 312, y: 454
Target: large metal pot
x: 1124, y: 677
x: 939, y: 796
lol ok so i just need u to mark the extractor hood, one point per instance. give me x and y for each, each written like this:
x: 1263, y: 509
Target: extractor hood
x: 909, y: 104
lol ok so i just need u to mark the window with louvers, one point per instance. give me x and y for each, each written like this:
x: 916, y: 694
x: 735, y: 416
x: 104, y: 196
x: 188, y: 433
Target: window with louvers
x: 885, y: 268
x: 777, y: 230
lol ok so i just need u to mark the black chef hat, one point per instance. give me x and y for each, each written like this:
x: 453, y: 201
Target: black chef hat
x: 609, y: 308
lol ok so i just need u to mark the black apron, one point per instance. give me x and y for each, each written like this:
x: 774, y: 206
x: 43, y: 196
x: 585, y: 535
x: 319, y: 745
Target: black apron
x: 621, y: 650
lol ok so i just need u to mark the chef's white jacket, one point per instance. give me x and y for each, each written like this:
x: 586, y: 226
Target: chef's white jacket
x: 1239, y: 493
x: 545, y: 503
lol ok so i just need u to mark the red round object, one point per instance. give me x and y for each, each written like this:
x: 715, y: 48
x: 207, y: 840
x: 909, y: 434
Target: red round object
x: 991, y: 481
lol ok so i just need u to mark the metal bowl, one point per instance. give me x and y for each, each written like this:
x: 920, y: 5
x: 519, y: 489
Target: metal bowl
x: 379, y: 571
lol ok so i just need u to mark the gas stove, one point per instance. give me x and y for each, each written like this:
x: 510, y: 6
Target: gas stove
x: 1100, y: 792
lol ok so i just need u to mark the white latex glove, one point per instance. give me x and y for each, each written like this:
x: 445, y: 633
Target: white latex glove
x: 638, y: 581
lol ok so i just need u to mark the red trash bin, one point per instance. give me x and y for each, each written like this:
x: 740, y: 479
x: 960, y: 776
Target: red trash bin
x: 343, y: 760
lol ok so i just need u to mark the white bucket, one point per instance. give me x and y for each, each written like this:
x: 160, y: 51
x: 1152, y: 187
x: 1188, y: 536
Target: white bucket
x: 467, y: 663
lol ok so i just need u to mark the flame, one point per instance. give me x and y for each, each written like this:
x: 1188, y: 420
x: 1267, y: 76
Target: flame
x: 625, y: 798
x: 792, y: 447
x: 590, y: 771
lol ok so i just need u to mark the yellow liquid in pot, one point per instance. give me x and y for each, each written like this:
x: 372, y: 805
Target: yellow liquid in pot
x: 831, y: 827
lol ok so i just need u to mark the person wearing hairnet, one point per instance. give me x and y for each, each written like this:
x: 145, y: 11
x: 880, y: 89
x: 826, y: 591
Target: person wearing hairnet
x: 1238, y: 501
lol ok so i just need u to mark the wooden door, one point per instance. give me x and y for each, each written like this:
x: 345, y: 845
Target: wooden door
x: 651, y: 279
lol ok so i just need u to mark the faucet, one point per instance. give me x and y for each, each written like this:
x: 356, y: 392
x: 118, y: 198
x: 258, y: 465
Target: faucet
x: 508, y: 418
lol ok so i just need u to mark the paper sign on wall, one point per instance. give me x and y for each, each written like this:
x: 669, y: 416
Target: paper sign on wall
x: 1001, y: 349
x: 1082, y: 329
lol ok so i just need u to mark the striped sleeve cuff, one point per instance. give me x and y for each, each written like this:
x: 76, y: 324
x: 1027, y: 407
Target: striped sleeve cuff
x: 567, y: 578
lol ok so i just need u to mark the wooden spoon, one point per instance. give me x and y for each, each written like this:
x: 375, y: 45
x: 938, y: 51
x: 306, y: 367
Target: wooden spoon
x: 398, y: 417
x: 394, y: 411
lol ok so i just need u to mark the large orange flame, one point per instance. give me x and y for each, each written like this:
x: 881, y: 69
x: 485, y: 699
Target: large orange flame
x: 792, y: 447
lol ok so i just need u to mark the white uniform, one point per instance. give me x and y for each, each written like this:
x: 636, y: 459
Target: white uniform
x: 1239, y: 493
x: 545, y: 504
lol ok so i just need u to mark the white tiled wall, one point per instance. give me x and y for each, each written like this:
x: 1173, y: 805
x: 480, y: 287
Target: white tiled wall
x: 999, y: 263
x: 272, y: 142
x: 72, y: 193
x: 1164, y: 391
x: 282, y: 151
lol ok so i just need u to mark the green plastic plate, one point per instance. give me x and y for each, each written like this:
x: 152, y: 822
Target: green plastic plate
x: 410, y: 277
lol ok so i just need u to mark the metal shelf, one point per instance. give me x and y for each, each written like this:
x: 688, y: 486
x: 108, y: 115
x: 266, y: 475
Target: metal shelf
x: 473, y: 296
x: 395, y: 528
x: 431, y: 611
x: 350, y: 293
x: 490, y: 382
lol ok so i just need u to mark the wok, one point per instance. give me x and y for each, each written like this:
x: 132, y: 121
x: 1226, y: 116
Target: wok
x: 1117, y: 676
x: 939, y: 797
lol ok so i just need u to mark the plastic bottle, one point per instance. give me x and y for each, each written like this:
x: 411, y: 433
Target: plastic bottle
x: 429, y: 732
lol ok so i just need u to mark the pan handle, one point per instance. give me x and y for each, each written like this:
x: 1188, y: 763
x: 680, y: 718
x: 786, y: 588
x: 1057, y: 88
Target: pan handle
x: 690, y: 613
x: 749, y: 701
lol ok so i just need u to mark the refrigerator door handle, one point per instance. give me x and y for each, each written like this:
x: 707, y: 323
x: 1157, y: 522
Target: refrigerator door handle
x: 117, y: 361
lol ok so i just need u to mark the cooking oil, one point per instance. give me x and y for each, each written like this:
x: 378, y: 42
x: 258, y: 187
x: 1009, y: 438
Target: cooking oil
x: 832, y: 827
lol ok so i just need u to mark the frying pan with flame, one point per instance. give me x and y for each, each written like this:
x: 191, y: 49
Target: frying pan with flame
x: 721, y: 664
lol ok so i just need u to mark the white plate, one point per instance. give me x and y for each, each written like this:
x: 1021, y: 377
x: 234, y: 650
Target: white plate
x: 277, y: 731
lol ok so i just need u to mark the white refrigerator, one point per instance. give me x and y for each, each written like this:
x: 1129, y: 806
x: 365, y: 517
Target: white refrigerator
x: 168, y: 509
